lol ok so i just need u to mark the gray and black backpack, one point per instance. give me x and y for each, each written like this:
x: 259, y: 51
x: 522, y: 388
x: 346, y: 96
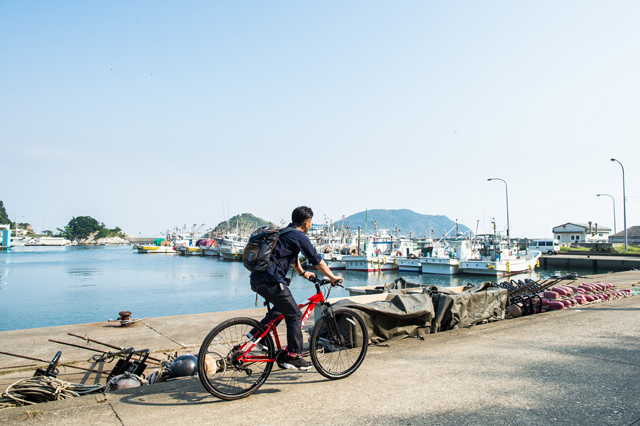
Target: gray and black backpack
x: 258, y: 251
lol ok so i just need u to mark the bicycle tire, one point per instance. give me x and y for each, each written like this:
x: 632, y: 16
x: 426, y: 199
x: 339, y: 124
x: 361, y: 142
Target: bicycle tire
x: 225, y: 379
x: 338, y: 355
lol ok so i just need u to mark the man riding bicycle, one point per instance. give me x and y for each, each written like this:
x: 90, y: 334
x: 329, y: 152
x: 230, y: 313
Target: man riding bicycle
x: 273, y: 285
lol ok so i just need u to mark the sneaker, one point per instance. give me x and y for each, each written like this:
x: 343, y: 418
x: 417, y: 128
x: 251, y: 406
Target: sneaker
x: 297, y: 364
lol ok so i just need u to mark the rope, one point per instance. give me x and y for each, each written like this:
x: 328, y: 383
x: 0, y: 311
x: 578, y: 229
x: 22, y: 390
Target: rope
x: 174, y: 341
x: 34, y: 390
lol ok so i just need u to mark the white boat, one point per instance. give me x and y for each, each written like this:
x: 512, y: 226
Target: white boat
x: 156, y: 249
x: 20, y: 241
x: 497, y: 257
x: 380, y: 253
x: 445, y: 256
x: 189, y: 251
x: 211, y: 251
x: 48, y: 241
x: 232, y: 246
x: 409, y: 264
x: 332, y: 248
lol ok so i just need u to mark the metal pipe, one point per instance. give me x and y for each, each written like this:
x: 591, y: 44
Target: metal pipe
x: 90, y: 349
x: 615, y: 231
x: 507, y: 192
x: 624, y: 205
x: 45, y: 361
x: 107, y: 344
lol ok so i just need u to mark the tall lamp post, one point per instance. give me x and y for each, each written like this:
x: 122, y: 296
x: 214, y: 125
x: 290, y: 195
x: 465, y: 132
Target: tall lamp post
x: 615, y: 231
x: 624, y: 205
x: 507, y: 192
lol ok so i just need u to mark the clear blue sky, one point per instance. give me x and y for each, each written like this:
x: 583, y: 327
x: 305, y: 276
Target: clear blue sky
x: 150, y: 114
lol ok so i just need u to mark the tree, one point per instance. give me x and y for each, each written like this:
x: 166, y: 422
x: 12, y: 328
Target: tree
x: 82, y: 227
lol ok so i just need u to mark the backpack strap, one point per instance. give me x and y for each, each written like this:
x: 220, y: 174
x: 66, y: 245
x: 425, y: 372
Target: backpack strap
x: 284, y: 231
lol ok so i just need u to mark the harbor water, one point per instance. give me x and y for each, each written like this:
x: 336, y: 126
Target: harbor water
x: 51, y: 286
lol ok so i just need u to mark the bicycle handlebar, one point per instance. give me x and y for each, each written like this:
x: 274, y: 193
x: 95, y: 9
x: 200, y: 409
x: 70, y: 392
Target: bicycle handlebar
x: 322, y: 281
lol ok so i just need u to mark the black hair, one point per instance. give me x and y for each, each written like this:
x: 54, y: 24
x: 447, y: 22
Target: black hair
x: 300, y: 214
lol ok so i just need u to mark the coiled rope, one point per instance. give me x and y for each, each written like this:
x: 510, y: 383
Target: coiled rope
x: 34, y: 390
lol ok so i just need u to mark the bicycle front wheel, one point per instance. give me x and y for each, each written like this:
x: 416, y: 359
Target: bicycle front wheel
x: 219, y: 368
x: 339, y: 343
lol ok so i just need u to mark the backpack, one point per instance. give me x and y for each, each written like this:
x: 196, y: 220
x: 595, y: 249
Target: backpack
x: 258, y: 251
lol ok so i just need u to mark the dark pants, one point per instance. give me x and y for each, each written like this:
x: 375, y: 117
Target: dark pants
x: 284, y: 304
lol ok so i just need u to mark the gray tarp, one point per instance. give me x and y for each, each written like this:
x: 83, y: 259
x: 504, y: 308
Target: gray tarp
x: 477, y: 305
x: 402, y: 315
x: 436, y: 309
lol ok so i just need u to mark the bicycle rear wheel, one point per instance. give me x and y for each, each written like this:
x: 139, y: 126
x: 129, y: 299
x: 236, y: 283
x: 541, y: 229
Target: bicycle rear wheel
x: 339, y: 343
x: 219, y: 369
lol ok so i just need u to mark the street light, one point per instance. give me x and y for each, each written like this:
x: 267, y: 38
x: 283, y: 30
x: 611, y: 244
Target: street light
x: 615, y: 231
x: 624, y: 205
x: 507, y: 192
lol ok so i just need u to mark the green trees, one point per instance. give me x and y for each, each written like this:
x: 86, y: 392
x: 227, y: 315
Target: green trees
x: 83, y: 226
x: 4, y: 220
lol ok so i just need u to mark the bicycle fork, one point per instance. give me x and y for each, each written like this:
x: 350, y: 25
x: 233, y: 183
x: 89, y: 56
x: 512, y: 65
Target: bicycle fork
x: 334, y: 336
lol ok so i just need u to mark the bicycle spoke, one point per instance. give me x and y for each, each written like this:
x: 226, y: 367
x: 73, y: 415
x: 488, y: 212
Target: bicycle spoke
x: 229, y: 377
x: 336, y: 353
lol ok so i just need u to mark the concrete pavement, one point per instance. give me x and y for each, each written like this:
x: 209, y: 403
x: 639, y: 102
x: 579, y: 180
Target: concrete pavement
x: 572, y: 367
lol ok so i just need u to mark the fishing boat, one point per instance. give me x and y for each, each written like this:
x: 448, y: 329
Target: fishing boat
x: 209, y: 247
x: 381, y: 252
x: 160, y: 245
x: 20, y: 241
x: 445, y: 256
x: 232, y: 247
x: 156, y: 249
x: 48, y: 241
x: 497, y: 256
x: 190, y: 251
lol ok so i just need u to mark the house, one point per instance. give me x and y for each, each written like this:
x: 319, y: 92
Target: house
x: 574, y: 232
x: 633, y: 236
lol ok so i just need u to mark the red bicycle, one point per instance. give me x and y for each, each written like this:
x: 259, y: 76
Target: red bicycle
x: 233, y: 363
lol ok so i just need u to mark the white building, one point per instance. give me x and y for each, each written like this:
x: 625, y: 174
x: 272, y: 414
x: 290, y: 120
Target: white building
x: 581, y: 233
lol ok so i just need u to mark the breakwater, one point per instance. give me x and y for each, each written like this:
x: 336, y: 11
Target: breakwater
x: 601, y: 263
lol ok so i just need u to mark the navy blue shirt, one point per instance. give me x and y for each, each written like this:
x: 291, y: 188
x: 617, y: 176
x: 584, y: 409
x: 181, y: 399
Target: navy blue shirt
x: 288, y: 246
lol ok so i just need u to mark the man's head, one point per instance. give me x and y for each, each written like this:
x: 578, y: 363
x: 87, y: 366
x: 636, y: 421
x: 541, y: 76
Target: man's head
x: 301, y: 218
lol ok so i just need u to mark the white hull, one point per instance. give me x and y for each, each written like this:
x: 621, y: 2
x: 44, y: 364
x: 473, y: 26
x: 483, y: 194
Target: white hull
x: 409, y: 265
x: 156, y: 249
x: 370, y: 263
x: 48, y: 241
x: 231, y: 255
x: 211, y: 251
x: 333, y: 261
x: 439, y: 265
x: 336, y: 265
x: 191, y: 251
x: 501, y: 268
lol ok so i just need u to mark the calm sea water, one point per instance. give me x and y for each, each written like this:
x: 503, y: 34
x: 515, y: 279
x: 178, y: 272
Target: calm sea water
x: 43, y: 287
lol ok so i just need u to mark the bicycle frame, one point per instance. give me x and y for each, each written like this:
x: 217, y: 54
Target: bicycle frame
x: 310, y: 303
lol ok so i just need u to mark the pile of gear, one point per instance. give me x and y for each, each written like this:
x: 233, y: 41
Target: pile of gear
x: 535, y: 297
x: 127, y: 372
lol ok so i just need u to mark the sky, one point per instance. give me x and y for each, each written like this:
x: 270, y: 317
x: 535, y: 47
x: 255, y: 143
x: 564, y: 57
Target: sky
x: 148, y: 115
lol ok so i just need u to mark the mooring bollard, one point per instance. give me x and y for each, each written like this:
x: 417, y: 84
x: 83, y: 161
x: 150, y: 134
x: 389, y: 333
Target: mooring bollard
x: 125, y: 318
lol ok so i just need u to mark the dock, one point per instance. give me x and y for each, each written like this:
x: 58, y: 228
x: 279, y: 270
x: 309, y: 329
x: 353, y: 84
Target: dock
x: 595, y: 262
x: 571, y: 367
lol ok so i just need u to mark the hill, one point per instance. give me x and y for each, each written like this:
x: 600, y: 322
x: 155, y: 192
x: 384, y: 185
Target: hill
x: 406, y: 221
x: 4, y: 220
x: 245, y: 222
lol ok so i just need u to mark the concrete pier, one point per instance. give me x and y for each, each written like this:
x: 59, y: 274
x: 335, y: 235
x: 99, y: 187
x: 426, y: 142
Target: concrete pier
x: 573, y: 367
x: 592, y: 262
